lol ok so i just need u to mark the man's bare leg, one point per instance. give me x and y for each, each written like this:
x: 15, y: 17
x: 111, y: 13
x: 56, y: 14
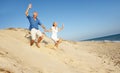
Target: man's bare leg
x: 32, y: 42
x: 39, y: 40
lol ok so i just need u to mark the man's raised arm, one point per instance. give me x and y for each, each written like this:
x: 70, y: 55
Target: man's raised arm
x: 27, y: 11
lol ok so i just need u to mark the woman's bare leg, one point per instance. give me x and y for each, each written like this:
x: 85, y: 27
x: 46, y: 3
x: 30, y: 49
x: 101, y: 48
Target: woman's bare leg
x: 57, y: 43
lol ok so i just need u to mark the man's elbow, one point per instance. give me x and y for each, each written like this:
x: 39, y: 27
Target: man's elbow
x: 26, y: 13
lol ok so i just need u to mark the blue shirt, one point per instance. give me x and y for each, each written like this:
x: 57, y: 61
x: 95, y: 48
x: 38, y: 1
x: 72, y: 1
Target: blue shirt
x: 33, y: 23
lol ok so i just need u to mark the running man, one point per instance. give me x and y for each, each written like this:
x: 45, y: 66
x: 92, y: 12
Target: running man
x: 34, y: 29
x: 54, y: 31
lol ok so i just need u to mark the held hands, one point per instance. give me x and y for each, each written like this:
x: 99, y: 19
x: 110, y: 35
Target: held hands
x: 45, y: 30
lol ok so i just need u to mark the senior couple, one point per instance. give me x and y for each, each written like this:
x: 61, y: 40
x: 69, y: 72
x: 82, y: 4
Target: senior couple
x: 35, y: 32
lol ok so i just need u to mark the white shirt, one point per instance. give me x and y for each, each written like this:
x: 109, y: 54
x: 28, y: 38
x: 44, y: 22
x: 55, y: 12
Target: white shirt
x: 54, y: 33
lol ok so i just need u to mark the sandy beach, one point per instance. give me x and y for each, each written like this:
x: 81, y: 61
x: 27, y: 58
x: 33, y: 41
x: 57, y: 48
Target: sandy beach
x: 17, y: 56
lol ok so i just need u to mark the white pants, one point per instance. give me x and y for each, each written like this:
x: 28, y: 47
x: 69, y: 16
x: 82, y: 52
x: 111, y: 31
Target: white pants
x: 35, y: 33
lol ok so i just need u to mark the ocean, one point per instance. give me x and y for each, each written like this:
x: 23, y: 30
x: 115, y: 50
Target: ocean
x: 115, y: 37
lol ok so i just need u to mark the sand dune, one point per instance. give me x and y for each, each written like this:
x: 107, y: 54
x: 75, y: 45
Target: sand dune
x: 16, y: 56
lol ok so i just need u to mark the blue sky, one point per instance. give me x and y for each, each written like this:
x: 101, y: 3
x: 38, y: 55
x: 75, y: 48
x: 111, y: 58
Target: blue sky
x: 83, y: 19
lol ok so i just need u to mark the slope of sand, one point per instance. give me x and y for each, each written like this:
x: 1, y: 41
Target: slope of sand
x: 16, y: 56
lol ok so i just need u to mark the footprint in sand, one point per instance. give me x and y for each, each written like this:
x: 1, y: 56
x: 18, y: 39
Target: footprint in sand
x: 3, y: 53
x: 51, y: 46
x: 4, y: 71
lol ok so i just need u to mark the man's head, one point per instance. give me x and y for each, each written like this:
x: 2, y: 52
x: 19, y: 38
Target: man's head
x: 35, y: 14
x: 54, y: 24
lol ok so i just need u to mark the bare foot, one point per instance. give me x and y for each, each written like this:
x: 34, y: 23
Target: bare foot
x: 54, y: 47
x: 32, y: 42
x: 37, y: 44
x: 60, y: 40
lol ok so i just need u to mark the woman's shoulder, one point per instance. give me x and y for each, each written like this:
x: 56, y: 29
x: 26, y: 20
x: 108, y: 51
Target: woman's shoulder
x: 52, y: 27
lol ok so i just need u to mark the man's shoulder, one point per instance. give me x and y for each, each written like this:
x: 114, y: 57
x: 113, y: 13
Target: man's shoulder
x: 37, y: 19
x: 29, y: 16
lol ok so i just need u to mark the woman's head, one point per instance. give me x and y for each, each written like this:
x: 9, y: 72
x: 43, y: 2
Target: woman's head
x: 54, y: 24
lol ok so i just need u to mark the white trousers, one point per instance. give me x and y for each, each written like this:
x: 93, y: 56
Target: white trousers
x: 35, y: 33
